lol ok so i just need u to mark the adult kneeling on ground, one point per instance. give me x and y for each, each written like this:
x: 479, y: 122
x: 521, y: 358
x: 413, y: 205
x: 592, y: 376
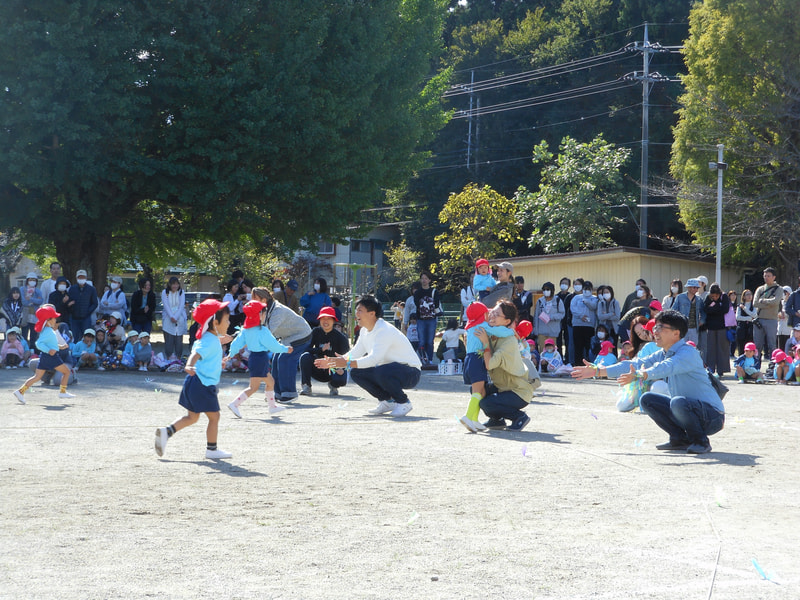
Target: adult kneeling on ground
x: 693, y: 410
x: 382, y: 362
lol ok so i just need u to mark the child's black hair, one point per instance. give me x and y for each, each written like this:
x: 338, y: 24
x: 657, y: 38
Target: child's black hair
x: 452, y: 323
x: 218, y: 317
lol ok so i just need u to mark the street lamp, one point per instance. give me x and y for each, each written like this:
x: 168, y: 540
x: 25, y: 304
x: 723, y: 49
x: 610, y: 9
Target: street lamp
x: 719, y: 167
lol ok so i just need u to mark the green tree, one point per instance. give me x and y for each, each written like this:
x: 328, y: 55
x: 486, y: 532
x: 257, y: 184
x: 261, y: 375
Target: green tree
x: 742, y: 90
x: 156, y: 124
x: 480, y: 223
x: 405, y: 263
x: 573, y: 208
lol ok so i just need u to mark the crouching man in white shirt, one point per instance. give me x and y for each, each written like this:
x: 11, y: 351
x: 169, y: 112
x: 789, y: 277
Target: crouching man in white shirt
x: 382, y: 361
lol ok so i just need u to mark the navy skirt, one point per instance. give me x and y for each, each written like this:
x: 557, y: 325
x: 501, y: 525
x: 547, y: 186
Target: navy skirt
x: 474, y: 369
x: 259, y: 364
x: 198, y: 398
x: 49, y: 363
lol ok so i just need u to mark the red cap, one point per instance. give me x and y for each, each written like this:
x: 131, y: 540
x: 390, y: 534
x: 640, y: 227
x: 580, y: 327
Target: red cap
x: 780, y: 356
x: 524, y: 329
x: 649, y: 325
x: 750, y: 346
x: 204, y: 312
x: 43, y: 314
x: 606, y: 347
x: 476, y: 314
x: 481, y: 262
x: 656, y: 305
x: 252, y: 311
x: 327, y: 311
x: 550, y: 342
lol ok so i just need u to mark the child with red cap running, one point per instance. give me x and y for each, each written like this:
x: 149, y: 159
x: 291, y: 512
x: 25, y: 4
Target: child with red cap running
x: 204, y: 367
x: 260, y: 342
x: 48, y: 345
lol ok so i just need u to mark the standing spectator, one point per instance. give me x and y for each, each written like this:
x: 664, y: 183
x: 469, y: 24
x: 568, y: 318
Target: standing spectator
x: 703, y: 291
x: 428, y: 308
x: 313, y: 301
x: 397, y: 313
x: 504, y: 290
x: 325, y: 342
x: 49, y: 285
x: 584, y: 319
x: 608, y: 311
x: 548, y: 315
x: 784, y: 327
x: 675, y: 288
x: 745, y: 314
x: 767, y: 300
x: 564, y: 341
x: 716, y: 306
x: 410, y: 308
x: 291, y: 292
x: 467, y: 298
x: 633, y: 296
x: 285, y: 295
x: 82, y: 301
x: 690, y: 305
x: 523, y: 299
x: 143, y: 306
x: 730, y: 322
x: 792, y: 308
x: 12, y: 309
x: 173, y: 318
x: 32, y: 299
x: 233, y: 298
x: 58, y: 299
x: 114, y: 299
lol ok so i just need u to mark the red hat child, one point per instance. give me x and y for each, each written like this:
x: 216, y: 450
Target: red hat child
x: 649, y: 325
x: 605, y: 348
x: 327, y: 311
x: 204, y: 312
x: 550, y: 342
x: 780, y: 356
x: 252, y: 311
x: 656, y: 305
x: 476, y: 314
x: 481, y: 262
x: 43, y: 314
x: 524, y: 329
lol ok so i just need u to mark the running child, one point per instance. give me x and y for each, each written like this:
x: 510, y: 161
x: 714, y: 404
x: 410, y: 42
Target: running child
x: 48, y: 344
x: 204, y: 367
x: 258, y: 339
x: 475, y: 373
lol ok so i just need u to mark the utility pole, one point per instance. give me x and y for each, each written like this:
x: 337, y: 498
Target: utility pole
x: 469, y: 130
x: 719, y: 167
x: 647, y: 49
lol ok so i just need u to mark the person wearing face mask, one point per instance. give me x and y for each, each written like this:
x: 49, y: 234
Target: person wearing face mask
x: 564, y: 340
x: 548, y: 315
x: 57, y: 299
x: 49, y: 285
x: 633, y: 296
x: 32, y: 299
x: 313, y: 301
x: 584, y: 318
x: 675, y: 288
x: 285, y: 295
x: 608, y: 312
x: 82, y: 301
x: 114, y: 299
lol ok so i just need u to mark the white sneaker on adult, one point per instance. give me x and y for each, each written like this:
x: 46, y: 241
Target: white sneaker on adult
x: 382, y: 408
x: 401, y: 410
x: 468, y: 423
x: 161, y: 440
x: 19, y: 396
x: 218, y: 454
x: 235, y: 409
x: 333, y: 390
x: 306, y: 391
x: 65, y: 395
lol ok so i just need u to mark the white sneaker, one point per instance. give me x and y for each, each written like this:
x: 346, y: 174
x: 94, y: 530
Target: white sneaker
x: 382, y: 408
x: 143, y: 368
x: 401, y: 410
x: 161, y: 440
x: 218, y: 454
x: 235, y: 409
x: 19, y: 396
x: 480, y: 426
x: 468, y: 423
x: 65, y: 395
x: 333, y: 391
x: 276, y: 409
x: 306, y: 391
x: 8, y: 366
x: 101, y: 368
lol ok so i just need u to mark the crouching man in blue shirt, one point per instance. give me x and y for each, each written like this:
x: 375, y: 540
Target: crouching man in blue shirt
x: 693, y: 410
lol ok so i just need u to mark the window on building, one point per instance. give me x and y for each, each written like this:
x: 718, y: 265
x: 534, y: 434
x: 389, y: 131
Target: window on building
x: 327, y: 248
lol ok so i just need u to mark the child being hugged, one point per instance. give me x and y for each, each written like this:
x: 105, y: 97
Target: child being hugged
x: 204, y: 367
x: 48, y: 344
x: 260, y: 342
x: 475, y: 373
x: 84, y: 351
x: 483, y: 283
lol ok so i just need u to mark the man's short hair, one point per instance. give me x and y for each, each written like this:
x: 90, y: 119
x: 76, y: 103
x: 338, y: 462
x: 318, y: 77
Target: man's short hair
x: 519, y: 279
x: 371, y: 304
x: 771, y: 270
x: 55, y: 263
x: 674, y: 319
x: 642, y: 281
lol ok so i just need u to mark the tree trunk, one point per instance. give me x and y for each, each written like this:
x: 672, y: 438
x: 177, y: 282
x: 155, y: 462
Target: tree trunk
x: 90, y: 253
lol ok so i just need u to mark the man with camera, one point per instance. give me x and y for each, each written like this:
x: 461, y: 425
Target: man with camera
x: 767, y: 300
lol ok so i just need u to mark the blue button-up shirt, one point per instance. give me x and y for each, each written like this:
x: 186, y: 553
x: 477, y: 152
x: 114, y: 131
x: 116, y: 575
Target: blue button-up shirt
x: 682, y: 368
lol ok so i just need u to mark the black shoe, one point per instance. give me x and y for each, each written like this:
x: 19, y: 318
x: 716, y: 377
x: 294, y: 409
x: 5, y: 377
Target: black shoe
x: 495, y: 424
x: 670, y: 445
x: 519, y: 424
x: 282, y: 400
x: 698, y: 448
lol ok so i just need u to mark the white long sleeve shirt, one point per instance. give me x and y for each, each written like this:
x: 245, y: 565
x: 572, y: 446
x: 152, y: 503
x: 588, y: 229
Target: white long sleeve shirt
x: 383, y: 345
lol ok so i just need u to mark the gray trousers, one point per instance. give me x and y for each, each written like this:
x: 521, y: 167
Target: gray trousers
x: 766, y: 336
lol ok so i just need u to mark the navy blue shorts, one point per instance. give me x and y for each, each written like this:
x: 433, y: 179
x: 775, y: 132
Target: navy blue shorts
x: 198, y: 398
x: 474, y: 369
x: 48, y: 363
x: 259, y: 364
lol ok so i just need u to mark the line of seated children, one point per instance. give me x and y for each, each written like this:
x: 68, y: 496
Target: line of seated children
x: 783, y: 369
x: 14, y: 352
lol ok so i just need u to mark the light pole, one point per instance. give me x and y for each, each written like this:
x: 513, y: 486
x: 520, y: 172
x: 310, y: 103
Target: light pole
x: 719, y: 167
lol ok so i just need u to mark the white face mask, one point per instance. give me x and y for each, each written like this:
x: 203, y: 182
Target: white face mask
x: 62, y: 287
x: 638, y: 287
x: 564, y: 287
x: 276, y: 290
x: 607, y: 296
x: 601, y: 335
x: 114, y: 286
x: 639, y: 293
x: 674, y: 289
x: 546, y: 293
x: 32, y: 283
x: 81, y: 281
x: 587, y: 293
x: 316, y: 287
x: 577, y: 287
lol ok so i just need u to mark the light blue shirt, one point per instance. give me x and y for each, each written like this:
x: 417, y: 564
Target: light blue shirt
x: 209, y: 366
x: 681, y: 367
x: 47, y: 340
x: 257, y: 339
x: 475, y: 346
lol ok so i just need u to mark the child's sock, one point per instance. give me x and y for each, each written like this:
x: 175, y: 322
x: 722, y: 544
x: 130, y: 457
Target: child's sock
x: 210, y: 446
x: 24, y: 389
x: 474, y: 409
x: 170, y: 430
x: 62, y: 388
x: 270, y: 398
x: 240, y: 398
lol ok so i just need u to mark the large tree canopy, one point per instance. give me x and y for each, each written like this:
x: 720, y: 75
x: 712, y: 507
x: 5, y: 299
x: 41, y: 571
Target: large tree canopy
x: 148, y: 123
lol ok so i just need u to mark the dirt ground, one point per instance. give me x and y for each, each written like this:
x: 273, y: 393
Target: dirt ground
x: 327, y: 502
